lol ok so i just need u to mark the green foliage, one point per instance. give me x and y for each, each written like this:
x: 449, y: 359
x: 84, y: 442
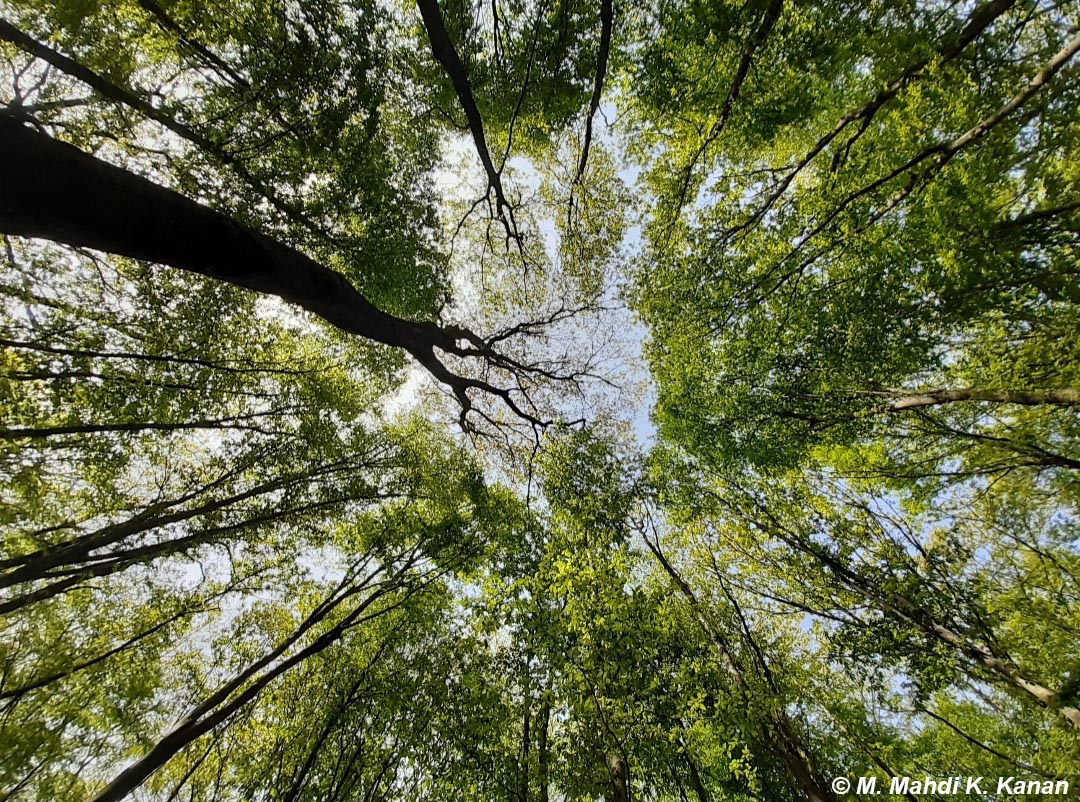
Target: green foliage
x: 242, y: 551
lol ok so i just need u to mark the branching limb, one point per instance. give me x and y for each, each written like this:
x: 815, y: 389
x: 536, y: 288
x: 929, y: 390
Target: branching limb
x: 935, y: 158
x: 445, y: 53
x: 979, y: 20
x: 753, y: 44
x: 607, y: 18
x: 52, y: 190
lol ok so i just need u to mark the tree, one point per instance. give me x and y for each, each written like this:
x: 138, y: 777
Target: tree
x: 322, y: 456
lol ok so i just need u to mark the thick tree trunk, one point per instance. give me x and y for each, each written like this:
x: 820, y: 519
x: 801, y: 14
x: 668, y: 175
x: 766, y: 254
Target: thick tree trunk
x: 620, y: 777
x: 51, y: 190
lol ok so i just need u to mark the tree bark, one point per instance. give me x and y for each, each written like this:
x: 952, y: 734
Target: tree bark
x: 45, y: 432
x: 229, y: 698
x: 37, y: 565
x: 167, y: 23
x: 977, y: 22
x: 619, y: 770
x: 607, y: 19
x: 526, y: 747
x: 52, y: 190
x: 106, y: 565
x: 695, y: 779
x: 1064, y: 396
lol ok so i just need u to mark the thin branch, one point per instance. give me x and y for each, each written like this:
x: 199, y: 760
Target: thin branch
x: 607, y: 17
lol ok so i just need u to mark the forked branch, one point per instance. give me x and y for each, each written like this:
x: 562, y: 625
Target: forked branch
x: 446, y: 54
x: 52, y: 190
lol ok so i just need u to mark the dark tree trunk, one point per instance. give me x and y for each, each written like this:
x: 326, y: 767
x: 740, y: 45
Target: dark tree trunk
x: 526, y: 747
x: 52, y: 190
x: 695, y: 780
x: 544, y: 756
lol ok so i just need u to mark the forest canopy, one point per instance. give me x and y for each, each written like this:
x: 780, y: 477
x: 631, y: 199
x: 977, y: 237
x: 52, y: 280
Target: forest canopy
x: 538, y: 400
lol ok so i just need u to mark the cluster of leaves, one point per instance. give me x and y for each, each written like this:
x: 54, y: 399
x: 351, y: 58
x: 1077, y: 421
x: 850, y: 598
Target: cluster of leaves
x: 238, y: 563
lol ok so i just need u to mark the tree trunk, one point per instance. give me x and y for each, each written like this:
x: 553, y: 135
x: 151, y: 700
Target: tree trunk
x: 52, y: 190
x: 544, y: 755
x: 695, y: 779
x: 901, y: 607
x: 229, y: 697
x: 797, y: 760
x: 620, y: 777
x: 775, y: 730
x: 1065, y: 396
x: 526, y: 747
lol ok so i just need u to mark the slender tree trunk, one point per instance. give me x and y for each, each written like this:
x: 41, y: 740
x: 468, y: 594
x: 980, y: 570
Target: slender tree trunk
x: 607, y: 21
x: 695, y: 779
x: 526, y: 747
x: 1005, y: 669
x: 209, y: 57
x: 442, y: 48
x: 1065, y: 396
x: 797, y: 759
x: 110, y: 564
x: 229, y: 697
x: 43, y: 432
x: 776, y: 730
x: 977, y: 22
x: 906, y: 610
x: 41, y: 682
x: 38, y: 565
x: 300, y: 777
x: 544, y: 755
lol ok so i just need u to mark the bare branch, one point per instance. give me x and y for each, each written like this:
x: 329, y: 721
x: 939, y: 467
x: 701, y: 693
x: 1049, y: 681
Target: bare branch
x: 447, y: 56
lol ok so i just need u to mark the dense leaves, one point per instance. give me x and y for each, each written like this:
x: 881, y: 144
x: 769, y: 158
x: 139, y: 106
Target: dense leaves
x: 247, y: 555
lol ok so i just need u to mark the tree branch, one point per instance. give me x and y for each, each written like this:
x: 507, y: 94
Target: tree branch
x: 607, y: 17
x: 445, y: 53
x: 979, y: 20
x: 52, y: 190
